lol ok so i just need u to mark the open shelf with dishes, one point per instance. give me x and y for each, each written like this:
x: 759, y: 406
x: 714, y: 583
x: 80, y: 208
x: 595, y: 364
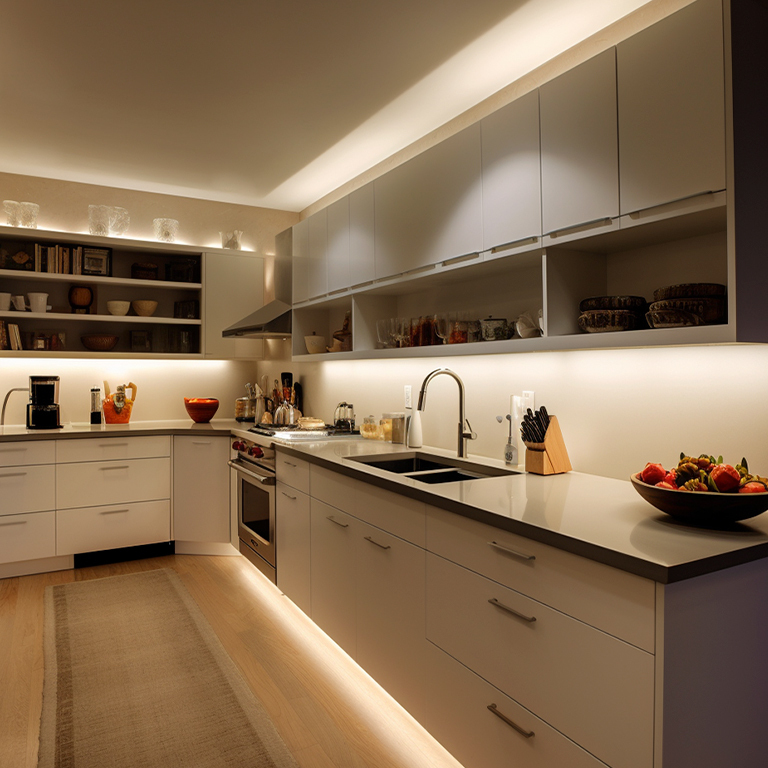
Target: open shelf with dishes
x: 125, y: 297
x: 638, y: 256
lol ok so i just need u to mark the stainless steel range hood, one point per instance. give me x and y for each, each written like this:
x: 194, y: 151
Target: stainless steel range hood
x: 272, y: 320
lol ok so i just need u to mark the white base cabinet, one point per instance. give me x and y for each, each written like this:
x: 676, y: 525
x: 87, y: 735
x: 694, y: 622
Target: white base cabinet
x: 201, y: 511
x: 30, y: 536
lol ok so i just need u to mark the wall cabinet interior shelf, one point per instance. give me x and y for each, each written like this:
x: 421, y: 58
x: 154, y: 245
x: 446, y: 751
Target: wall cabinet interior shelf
x: 182, y: 324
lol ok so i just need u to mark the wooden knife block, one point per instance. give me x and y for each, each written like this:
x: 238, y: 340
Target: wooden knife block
x: 549, y: 457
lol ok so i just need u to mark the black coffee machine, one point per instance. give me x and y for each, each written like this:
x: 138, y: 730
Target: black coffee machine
x: 43, y: 406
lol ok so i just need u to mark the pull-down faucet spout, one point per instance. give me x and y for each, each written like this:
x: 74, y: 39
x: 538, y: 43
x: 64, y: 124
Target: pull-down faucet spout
x: 463, y: 435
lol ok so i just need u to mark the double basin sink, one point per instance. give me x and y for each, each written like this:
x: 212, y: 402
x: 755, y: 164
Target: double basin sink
x: 432, y: 469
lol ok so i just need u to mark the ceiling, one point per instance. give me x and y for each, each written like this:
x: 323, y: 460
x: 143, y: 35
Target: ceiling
x: 262, y: 102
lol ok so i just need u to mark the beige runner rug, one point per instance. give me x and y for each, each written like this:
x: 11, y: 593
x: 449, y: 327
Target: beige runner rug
x: 135, y: 676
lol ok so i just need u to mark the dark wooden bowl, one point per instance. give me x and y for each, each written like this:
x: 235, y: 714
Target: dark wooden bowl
x: 202, y: 411
x: 706, y: 508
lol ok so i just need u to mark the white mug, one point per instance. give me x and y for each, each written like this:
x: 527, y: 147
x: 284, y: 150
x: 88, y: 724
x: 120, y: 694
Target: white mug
x: 5, y: 302
x: 38, y: 302
x: 18, y: 303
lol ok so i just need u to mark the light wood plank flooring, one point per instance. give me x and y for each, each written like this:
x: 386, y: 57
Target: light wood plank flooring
x: 329, y: 712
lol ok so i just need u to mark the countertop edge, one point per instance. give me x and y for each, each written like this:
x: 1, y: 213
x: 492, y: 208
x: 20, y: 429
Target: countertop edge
x: 653, y: 571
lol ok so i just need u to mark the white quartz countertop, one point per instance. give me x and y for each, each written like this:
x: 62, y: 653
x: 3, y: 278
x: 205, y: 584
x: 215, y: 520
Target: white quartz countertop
x: 82, y: 429
x: 596, y: 517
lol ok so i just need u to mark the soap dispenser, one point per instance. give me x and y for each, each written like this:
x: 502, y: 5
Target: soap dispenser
x: 414, y: 429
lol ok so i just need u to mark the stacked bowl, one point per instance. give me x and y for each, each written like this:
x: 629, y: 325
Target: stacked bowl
x: 601, y: 314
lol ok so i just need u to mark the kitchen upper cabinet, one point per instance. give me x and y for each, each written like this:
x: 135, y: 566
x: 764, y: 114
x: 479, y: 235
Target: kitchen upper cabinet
x: 233, y: 288
x: 429, y: 209
x: 300, y: 261
x: 671, y: 92
x: 317, y: 263
x: 338, y: 245
x: 511, y: 173
x: 362, y: 267
x: 579, y: 145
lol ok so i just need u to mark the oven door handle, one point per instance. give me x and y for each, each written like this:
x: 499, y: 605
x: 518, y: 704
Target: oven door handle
x: 263, y: 479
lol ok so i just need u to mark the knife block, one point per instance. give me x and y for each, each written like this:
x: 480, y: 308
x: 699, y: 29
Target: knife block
x: 549, y: 457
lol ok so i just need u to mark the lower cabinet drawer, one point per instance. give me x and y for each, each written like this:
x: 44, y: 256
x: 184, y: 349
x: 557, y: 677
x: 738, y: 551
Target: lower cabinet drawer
x: 596, y: 689
x: 458, y: 716
x: 111, y: 527
x: 27, y: 489
x: 27, y: 537
x: 112, y: 482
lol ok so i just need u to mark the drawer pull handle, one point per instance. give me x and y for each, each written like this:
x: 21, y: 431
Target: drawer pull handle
x: 530, y: 619
x: 289, y: 463
x: 113, y: 511
x: 333, y: 520
x: 112, y: 444
x: 12, y: 450
x: 14, y: 474
x: 383, y: 546
x: 201, y: 442
x: 15, y: 522
x: 512, y: 552
x: 122, y: 466
x: 493, y: 708
x: 288, y: 496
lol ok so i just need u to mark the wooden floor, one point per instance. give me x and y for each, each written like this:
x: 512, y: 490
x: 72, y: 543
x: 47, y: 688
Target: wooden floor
x: 327, y: 710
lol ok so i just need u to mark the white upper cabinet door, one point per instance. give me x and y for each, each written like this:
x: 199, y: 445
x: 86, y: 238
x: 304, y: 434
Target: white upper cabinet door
x: 429, y: 209
x: 233, y: 288
x: 362, y: 268
x: 317, y: 263
x: 671, y: 85
x: 512, y: 173
x: 338, y: 245
x: 300, y: 261
x: 579, y: 145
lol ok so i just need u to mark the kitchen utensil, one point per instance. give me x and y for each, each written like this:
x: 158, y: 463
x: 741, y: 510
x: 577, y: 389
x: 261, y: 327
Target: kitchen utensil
x: 201, y: 409
x: 118, y: 307
x: 99, y: 342
x: 314, y: 343
x: 144, y: 308
x: 494, y: 328
x: 117, y: 407
x: 702, y: 509
x: 285, y: 414
x: 298, y: 391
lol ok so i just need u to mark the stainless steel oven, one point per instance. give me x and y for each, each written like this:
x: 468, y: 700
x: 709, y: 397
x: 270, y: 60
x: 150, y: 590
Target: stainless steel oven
x: 253, y: 470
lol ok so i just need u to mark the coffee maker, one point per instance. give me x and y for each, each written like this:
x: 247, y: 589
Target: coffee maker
x: 43, y: 406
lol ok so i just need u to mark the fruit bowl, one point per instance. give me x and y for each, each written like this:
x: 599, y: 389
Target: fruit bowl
x: 201, y: 409
x: 704, y: 509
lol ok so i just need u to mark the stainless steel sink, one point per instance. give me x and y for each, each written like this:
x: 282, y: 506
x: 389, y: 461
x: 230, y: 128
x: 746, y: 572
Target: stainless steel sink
x: 430, y: 468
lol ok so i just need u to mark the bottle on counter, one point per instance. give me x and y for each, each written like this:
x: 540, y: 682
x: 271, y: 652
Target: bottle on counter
x: 96, y: 405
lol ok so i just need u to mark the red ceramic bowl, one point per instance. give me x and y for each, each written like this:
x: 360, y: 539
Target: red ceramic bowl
x: 201, y: 409
x: 705, y: 509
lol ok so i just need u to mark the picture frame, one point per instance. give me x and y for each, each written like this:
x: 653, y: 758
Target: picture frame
x: 97, y: 261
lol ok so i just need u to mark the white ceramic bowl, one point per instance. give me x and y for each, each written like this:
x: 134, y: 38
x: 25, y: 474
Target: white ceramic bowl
x: 144, y: 308
x: 315, y: 344
x: 118, y: 307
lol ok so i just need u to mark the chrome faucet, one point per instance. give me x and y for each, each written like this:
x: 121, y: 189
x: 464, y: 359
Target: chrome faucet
x: 5, y: 402
x: 463, y: 435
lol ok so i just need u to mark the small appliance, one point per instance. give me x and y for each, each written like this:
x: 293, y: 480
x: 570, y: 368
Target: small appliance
x: 43, y: 406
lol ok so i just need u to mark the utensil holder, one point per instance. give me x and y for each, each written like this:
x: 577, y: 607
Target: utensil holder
x: 549, y: 457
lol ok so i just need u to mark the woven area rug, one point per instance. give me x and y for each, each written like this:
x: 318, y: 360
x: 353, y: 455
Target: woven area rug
x: 135, y: 676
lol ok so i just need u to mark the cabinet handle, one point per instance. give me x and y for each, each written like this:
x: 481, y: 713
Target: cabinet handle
x: 201, y: 442
x: 12, y: 450
x: 122, y: 466
x: 530, y: 619
x: 493, y: 708
x: 288, y: 496
x: 333, y: 520
x: 512, y: 552
x: 383, y: 546
x: 515, y: 244
x: 14, y: 474
x: 15, y: 522
x: 289, y: 463
x: 460, y: 259
x: 578, y: 227
x: 113, y: 511
x: 112, y: 444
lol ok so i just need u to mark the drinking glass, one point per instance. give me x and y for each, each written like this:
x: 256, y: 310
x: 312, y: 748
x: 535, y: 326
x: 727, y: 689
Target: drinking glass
x: 12, y: 212
x: 385, y: 332
x: 98, y: 220
x: 166, y: 229
x: 28, y: 215
x: 118, y: 220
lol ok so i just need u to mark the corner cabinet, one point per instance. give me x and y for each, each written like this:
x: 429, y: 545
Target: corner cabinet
x: 669, y: 189
x: 199, y: 292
